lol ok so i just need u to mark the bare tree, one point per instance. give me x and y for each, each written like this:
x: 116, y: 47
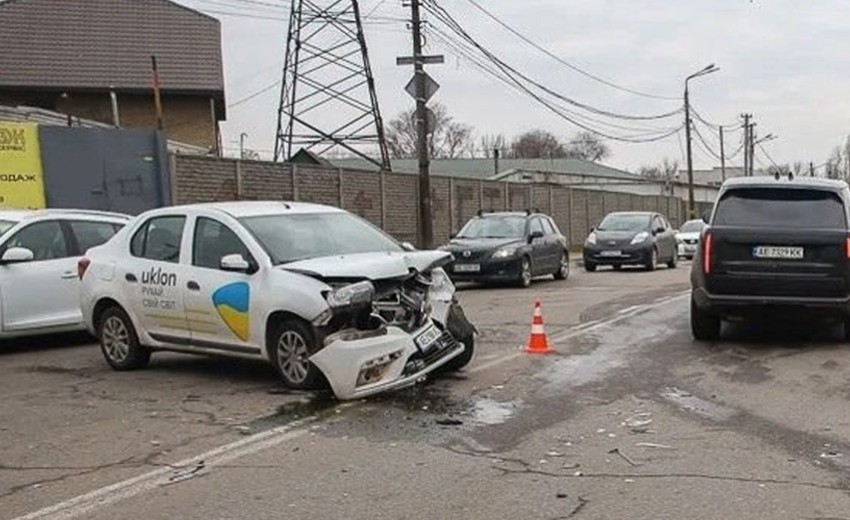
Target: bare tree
x: 666, y: 170
x: 588, y: 147
x: 537, y: 144
x: 448, y: 140
x: 835, y: 164
x: 492, y: 142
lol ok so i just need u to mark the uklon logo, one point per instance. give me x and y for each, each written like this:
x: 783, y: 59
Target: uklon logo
x: 156, y: 276
x: 12, y: 139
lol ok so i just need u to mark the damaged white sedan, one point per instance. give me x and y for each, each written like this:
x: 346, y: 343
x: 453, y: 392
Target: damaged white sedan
x: 324, y: 296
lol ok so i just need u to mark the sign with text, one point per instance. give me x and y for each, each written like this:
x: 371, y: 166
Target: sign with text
x: 21, y: 176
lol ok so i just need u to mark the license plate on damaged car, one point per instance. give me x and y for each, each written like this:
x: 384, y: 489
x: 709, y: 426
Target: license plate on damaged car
x: 467, y: 268
x: 779, y: 252
x: 427, y: 338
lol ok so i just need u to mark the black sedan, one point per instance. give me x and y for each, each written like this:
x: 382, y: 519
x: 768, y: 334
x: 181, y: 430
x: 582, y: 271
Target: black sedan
x: 631, y: 238
x: 509, y: 247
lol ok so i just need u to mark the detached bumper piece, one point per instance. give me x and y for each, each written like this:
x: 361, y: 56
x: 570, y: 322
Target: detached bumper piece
x: 362, y: 367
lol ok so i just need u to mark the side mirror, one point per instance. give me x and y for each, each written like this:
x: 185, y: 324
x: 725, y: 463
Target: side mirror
x: 706, y: 217
x: 659, y: 231
x: 407, y: 246
x: 234, y: 263
x: 17, y: 255
x: 534, y: 235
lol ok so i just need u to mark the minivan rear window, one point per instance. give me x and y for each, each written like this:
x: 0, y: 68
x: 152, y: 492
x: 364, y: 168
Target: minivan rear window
x: 782, y: 208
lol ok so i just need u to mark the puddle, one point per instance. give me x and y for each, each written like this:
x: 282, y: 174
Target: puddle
x: 320, y: 404
x: 489, y: 412
x: 697, y: 405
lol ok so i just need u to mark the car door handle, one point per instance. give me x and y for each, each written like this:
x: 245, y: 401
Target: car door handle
x: 130, y: 277
x: 193, y: 286
x: 67, y: 275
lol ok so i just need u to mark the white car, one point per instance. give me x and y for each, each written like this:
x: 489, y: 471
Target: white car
x: 687, y: 238
x: 39, y: 250
x: 321, y: 294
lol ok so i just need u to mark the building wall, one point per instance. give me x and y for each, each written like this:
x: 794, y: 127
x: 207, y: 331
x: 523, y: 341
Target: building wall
x: 389, y: 200
x: 186, y: 118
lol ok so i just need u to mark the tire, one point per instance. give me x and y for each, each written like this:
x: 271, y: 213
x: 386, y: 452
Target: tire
x: 589, y: 267
x: 652, y: 262
x: 847, y: 329
x: 291, y: 343
x: 563, y: 271
x: 119, y: 342
x: 704, y: 325
x: 464, y: 358
x: 462, y: 330
x: 673, y: 261
x: 525, y: 273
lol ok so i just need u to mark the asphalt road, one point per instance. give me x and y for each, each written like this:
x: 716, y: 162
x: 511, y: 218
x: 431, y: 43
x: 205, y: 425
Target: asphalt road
x: 628, y: 419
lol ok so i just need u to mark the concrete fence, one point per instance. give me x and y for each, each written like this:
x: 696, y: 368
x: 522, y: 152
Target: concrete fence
x: 389, y: 200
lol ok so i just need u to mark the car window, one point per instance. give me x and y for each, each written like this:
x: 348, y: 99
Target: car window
x: 548, y: 228
x: 658, y: 223
x: 625, y: 222
x: 494, y: 226
x: 45, y: 239
x: 781, y: 208
x: 536, y: 226
x: 159, y: 239
x: 288, y: 238
x: 91, y: 234
x: 212, y: 241
x: 6, y: 225
x: 692, y: 226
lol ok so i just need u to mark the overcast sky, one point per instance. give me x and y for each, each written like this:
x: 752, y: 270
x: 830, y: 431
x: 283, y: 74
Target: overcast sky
x: 785, y: 61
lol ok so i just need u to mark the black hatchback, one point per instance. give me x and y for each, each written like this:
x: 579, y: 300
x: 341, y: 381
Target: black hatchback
x: 509, y: 247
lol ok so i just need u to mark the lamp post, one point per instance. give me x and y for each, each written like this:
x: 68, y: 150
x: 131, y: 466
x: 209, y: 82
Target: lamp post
x: 707, y: 70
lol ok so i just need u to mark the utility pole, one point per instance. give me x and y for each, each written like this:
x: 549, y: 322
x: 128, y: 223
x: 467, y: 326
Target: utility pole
x: 811, y: 169
x: 746, y: 144
x: 425, y: 222
x: 496, y: 153
x: 157, y: 99
x: 242, y: 137
x: 692, y: 212
x: 722, y: 157
x: 752, y: 149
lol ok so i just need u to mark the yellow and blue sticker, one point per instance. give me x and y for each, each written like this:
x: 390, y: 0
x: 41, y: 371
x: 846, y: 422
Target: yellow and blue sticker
x: 232, y: 303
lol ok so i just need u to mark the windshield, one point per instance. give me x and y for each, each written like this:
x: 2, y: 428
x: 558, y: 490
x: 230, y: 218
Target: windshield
x: 692, y: 226
x: 494, y: 227
x: 781, y: 208
x: 5, y: 225
x: 288, y: 238
x: 624, y: 222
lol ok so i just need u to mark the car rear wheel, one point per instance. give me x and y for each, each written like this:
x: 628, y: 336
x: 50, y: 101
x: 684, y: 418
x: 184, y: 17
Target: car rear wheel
x: 290, y: 346
x: 652, y: 261
x: 119, y: 341
x: 524, y: 272
x: 705, y: 326
x: 673, y: 261
x: 563, y: 271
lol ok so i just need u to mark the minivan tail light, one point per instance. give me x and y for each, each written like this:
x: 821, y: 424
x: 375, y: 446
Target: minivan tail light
x: 82, y: 266
x: 847, y: 248
x: 706, y: 253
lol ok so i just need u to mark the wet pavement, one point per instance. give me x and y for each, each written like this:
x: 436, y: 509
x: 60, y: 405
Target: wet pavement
x: 629, y: 418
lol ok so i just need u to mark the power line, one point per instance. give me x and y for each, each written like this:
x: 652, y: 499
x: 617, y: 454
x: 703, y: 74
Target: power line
x: 547, y: 52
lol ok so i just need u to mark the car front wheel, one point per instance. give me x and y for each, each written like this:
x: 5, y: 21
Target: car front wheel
x: 705, y: 326
x: 652, y: 261
x: 290, y: 346
x: 673, y: 261
x: 525, y: 275
x: 119, y: 341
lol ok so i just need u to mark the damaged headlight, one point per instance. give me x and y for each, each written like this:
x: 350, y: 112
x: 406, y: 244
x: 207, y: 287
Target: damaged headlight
x: 354, y: 294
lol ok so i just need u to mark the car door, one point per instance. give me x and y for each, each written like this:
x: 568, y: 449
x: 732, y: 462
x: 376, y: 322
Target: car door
x: 670, y: 237
x: 540, y: 254
x: 44, y: 292
x: 660, y: 231
x: 153, y: 277
x: 554, y: 241
x: 218, y: 302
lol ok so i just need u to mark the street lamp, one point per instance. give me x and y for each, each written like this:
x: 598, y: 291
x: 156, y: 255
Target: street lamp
x: 707, y: 70
x: 242, y: 137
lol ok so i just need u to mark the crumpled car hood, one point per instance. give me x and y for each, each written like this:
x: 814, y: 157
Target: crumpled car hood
x: 370, y: 266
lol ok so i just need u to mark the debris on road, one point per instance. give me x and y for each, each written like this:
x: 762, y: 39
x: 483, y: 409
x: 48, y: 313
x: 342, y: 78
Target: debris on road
x: 654, y: 445
x: 561, y: 495
x: 616, y: 451
x: 449, y: 422
x: 555, y: 454
x: 187, y: 473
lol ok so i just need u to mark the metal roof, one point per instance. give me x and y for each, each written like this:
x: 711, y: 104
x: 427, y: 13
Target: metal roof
x: 95, y: 44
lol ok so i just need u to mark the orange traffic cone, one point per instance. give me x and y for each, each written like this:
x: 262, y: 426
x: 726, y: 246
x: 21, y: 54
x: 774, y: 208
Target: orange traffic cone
x: 538, y: 341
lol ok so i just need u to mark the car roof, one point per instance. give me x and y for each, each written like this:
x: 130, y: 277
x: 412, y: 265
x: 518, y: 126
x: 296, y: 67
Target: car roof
x: 634, y: 213
x: 256, y: 208
x: 766, y: 181
x: 19, y: 215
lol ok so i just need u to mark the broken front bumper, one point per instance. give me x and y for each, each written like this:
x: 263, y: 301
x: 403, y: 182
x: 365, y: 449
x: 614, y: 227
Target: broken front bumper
x: 359, y: 368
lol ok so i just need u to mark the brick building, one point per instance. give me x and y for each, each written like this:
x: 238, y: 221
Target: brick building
x: 68, y: 55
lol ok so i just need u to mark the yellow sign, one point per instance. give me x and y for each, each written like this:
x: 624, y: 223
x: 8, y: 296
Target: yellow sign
x: 21, y: 177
